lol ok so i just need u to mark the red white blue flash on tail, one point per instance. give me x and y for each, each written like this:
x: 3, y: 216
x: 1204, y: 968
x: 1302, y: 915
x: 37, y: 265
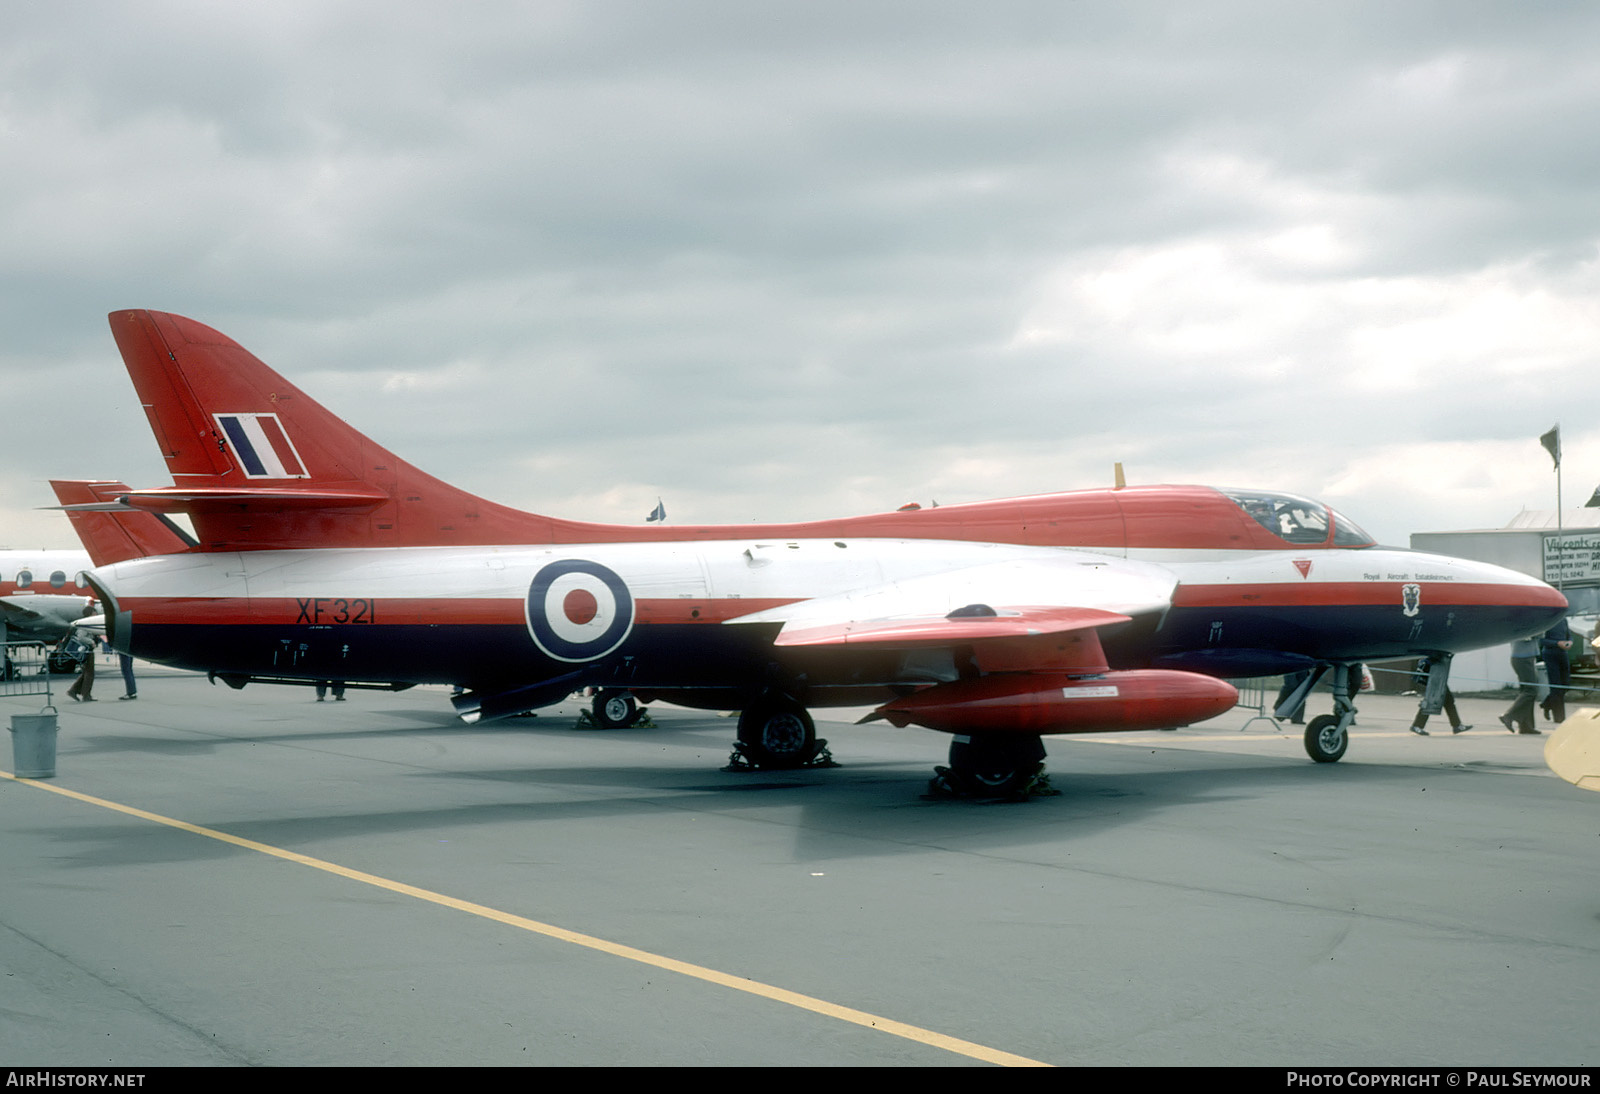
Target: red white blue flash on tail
x: 263, y: 448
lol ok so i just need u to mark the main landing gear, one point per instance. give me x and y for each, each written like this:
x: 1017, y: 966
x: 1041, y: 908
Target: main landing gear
x: 614, y: 708
x: 1004, y: 766
x: 777, y: 733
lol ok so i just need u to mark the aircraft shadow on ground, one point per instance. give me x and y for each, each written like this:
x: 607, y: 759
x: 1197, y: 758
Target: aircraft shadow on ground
x: 844, y: 812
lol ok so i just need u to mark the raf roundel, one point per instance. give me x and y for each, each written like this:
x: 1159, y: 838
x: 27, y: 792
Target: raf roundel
x: 578, y: 610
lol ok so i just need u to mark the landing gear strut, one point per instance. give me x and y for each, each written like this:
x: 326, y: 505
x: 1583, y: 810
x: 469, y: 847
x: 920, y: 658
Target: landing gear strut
x: 1009, y: 766
x: 1328, y: 735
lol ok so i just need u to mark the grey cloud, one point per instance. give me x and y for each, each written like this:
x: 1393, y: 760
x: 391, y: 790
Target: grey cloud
x: 780, y: 257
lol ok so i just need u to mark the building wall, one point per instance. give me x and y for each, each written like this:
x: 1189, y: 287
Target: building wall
x: 1519, y: 549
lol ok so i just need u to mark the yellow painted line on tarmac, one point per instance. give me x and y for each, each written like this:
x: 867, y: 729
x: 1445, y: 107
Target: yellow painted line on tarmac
x: 643, y: 957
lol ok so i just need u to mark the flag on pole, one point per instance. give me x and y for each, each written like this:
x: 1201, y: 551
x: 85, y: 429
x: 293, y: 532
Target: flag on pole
x: 658, y: 513
x: 1552, y: 443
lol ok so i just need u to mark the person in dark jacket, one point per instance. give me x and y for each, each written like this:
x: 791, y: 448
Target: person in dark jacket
x: 1553, y: 649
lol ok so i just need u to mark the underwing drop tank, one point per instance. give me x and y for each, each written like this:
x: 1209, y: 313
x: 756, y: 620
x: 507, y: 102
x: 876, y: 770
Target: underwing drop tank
x: 1061, y: 703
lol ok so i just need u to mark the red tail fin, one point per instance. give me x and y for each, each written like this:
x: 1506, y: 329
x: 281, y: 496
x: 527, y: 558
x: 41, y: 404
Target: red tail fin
x: 113, y: 532
x: 258, y: 464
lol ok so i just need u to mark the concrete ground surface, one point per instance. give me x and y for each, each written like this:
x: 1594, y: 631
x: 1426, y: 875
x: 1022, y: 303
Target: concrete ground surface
x: 1205, y: 896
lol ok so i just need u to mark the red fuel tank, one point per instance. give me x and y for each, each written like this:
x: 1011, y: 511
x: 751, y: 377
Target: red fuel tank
x: 1048, y: 703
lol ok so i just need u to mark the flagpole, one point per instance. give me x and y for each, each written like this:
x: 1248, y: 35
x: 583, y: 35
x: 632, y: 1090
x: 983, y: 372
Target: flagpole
x: 1552, y: 444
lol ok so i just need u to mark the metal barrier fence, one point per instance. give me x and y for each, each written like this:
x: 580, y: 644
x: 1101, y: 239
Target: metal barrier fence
x: 28, y: 668
x: 1253, y: 697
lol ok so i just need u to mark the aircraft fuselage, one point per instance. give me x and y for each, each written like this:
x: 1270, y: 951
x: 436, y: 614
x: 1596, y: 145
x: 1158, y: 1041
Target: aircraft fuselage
x: 704, y: 614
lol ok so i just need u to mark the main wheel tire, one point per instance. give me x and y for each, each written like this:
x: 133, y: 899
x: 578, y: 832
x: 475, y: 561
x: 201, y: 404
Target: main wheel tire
x: 615, y: 708
x: 996, y: 765
x: 777, y: 734
x: 1325, y: 741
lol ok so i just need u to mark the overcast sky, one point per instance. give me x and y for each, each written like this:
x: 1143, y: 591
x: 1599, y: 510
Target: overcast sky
x: 785, y: 261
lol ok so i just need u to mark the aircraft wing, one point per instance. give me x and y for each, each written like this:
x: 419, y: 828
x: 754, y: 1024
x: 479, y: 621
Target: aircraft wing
x: 39, y: 617
x: 1018, y: 615
x: 961, y: 626
x: 18, y: 612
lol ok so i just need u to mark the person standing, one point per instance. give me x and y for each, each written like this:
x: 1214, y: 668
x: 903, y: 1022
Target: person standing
x: 82, y: 689
x: 1421, y: 719
x: 1553, y: 648
x: 1519, y: 718
x: 130, y: 687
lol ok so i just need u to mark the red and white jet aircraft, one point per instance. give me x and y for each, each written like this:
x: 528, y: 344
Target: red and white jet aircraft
x: 321, y: 555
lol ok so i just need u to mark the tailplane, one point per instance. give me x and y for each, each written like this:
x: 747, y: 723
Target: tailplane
x: 112, y: 531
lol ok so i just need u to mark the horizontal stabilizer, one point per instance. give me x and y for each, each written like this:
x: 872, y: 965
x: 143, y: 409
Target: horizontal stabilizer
x: 111, y: 530
x: 211, y: 499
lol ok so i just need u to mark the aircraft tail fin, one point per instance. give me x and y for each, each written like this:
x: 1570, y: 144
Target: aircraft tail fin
x: 112, y: 531
x: 258, y: 464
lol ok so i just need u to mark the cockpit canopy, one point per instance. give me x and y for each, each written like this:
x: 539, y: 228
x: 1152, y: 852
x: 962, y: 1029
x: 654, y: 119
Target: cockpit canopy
x: 1294, y: 519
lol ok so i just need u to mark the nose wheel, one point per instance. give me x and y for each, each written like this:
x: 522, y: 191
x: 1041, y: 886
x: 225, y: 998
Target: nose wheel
x: 1327, y: 736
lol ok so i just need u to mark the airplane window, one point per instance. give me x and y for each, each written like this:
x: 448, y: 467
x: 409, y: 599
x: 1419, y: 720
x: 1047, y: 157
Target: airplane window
x: 24, y: 578
x: 58, y: 579
x: 1347, y: 533
x: 1291, y: 518
x: 81, y: 581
